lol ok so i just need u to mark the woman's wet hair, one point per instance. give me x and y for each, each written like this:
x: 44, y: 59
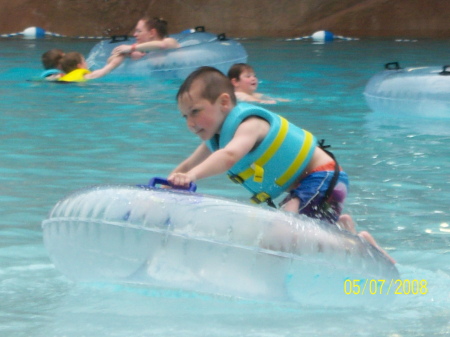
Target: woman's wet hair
x: 159, y: 24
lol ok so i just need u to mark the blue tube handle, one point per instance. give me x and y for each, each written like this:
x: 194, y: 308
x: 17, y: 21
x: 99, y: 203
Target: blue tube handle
x: 161, y: 181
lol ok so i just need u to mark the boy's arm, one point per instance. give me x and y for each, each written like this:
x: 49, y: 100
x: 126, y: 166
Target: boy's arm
x: 200, y: 154
x: 256, y: 97
x: 243, y: 96
x: 112, y: 64
x: 247, y: 136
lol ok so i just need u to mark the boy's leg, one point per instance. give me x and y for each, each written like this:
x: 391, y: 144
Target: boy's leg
x: 369, y: 238
x: 292, y: 205
x: 346, y: 222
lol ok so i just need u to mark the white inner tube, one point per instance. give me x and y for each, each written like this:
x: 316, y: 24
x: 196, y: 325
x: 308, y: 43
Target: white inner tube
x: 201, y: 243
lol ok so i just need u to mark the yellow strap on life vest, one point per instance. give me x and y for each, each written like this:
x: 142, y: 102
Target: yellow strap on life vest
x: 259, y: 198
x: 258, y: 176
x: 256, y: 170
x: 298, y: 161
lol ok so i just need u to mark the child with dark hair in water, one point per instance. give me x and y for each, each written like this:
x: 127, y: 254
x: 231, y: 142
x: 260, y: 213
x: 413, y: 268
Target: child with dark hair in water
x: 245, y: 83
x: 51, y: 60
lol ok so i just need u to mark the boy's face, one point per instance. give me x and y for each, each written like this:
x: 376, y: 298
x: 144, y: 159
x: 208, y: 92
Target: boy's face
x: 203, y: 118
x: 247, y: 82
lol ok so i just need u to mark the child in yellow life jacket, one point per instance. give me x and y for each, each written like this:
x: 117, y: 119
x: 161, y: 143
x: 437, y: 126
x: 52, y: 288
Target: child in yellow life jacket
x: 76, y: 70
x: 260, y: 150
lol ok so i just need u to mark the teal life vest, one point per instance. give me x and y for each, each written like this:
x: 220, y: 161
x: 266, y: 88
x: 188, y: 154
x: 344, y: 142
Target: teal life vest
x: 50, y: 72
x: 275, y: 164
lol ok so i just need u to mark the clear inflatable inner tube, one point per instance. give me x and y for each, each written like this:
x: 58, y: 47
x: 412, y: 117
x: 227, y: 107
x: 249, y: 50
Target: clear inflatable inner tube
x: 197, y: 49
x: 419, y: 91
x: 195, y: 242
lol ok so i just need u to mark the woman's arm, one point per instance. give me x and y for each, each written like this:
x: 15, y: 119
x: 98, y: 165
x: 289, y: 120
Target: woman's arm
x: 167, y: 43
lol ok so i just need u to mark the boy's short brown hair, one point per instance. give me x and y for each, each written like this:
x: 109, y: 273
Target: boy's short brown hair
x: 51, y: 59
x: 70, y: 61
x: 237, y: 69
x: 159, y: 24
x: 215, y: 83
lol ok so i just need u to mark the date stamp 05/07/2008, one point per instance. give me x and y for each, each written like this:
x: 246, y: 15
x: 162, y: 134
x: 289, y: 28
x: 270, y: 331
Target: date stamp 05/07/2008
x: 384, y: 287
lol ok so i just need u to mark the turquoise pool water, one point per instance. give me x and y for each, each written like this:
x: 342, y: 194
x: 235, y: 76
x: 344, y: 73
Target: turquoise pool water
x: 58, y: 138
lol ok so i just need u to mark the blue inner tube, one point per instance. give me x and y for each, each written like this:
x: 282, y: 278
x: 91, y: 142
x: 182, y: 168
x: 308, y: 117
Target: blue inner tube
x: 197, y: 49
x: 420, y: 91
